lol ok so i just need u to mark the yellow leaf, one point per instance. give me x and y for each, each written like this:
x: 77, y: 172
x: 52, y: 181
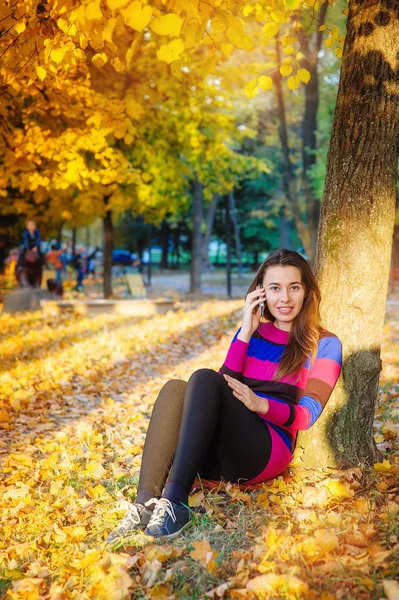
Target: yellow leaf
x: 196, y: 499
x: 63, y: 24
x: 17, y: 493
x: 265, y: 585
x: 24, y: 459
x: 94, y: 469
x: 93, y: 11
x: 322, y: 28
x: 248, y: 10
x: 171, y: 51
x: 137, y: 16
x: 20, y: 27
x: 4, y: 416
x: 169, y: 24
x: 293, y: 4
x: 99, y: 60
x: 227, y: 49
x: 41, y: 73
x: 251, y: 89
x: 329, y: 42
x: 265, y: 82
x: 303, y: 75
x: 338, y: 52
x: 77, y: 533
x: 239, y: 38
x: 95, y: 492
x: 278, y: 16
x: 270, y: 29
x: 294, y: 82
x: 219, y: 24
x: 118, y: 65
x: 286, y: 70
x: 116, y: 4
x: 289, y: 50
x: 57, y: 54
x: 204, y: 554
x: 385, y: 467
x: 340, y: 490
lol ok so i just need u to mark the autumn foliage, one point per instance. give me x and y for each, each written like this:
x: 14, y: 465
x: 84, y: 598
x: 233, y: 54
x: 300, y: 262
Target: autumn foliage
x: 130, y: 101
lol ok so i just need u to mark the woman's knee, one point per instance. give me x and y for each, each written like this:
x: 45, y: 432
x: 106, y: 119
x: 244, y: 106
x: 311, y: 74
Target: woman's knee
x: 204, y: 376
x: 173, y: 390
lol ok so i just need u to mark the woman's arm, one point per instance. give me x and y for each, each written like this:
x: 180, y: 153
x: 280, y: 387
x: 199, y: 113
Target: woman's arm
x: 235, y: 359
x: 322, y: 379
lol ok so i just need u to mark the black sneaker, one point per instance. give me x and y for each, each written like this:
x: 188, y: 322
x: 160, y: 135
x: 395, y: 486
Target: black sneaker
x: 137, y: 516
x: 168, y: 520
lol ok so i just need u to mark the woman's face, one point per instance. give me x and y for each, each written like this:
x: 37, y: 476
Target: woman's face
x: 285, y: 294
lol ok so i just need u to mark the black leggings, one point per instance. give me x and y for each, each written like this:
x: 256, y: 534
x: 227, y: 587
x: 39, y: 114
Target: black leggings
x: 201, y: 428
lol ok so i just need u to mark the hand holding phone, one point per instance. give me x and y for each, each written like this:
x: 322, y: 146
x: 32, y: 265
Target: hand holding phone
x: 262, y: 304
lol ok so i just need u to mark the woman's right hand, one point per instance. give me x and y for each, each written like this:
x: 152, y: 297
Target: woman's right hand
x: 251, y: 314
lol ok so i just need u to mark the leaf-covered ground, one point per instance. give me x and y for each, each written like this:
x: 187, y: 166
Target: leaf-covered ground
x: 75, y: 398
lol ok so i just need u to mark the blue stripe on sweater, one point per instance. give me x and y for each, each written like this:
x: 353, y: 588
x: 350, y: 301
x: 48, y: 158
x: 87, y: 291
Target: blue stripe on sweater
x: 330, y: 347
x: 262, y: 349
x: 313, y: 406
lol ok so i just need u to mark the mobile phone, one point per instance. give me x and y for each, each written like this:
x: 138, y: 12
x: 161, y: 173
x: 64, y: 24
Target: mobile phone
x: 262, y: 304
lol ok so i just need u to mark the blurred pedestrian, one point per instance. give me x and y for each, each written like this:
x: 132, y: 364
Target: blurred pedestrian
x: 53, y: 257
x: 77, y: 263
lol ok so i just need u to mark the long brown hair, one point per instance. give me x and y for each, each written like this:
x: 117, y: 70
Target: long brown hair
x: 306, y: 328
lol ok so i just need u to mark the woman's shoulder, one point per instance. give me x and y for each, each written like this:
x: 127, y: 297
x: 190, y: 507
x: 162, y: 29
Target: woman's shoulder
x: 329, y: 345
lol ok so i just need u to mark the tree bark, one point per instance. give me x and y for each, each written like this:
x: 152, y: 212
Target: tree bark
x: 196, y: 248
x: 209, y: 222
x: 108, y: 247
x: 309, y: 126
x: 284, y: 231
x: 288, y: 170
x: 165, y: 230
x: 355, y: 234
x: 237, y: 233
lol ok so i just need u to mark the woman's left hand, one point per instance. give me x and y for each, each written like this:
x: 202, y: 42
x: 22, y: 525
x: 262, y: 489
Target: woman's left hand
x: 246, y: 396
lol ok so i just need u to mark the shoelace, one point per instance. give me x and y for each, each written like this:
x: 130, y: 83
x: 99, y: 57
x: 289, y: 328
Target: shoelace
x: 162, y: 507
x: 132, y: 515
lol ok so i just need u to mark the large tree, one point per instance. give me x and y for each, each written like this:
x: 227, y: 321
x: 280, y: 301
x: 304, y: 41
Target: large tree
x: 355, y: 235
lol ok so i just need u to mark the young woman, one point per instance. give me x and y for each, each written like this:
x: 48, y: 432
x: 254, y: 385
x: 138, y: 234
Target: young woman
x: 240, y: 424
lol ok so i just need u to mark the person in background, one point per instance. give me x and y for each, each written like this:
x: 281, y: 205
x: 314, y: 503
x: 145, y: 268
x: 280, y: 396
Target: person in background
x: 77, y: 263
x: 31, y: 239
x: 54, y: 257
x: 10, y: 264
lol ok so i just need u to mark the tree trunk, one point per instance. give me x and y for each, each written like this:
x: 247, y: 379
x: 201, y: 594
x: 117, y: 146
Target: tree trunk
x: 165, y: 230
x: 309, y: 126
x: 59, y: 235
x: 196, y: 248
x: 228, y: 246
x: 288, y: 170
x: 355, y: 234
x: 209, y: 221
x: 108, y: 247
x: 237, y: 234
x: 284, y: 231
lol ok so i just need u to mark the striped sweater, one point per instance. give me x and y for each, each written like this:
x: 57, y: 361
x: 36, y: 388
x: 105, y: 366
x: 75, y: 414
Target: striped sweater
x: 293, y: 403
